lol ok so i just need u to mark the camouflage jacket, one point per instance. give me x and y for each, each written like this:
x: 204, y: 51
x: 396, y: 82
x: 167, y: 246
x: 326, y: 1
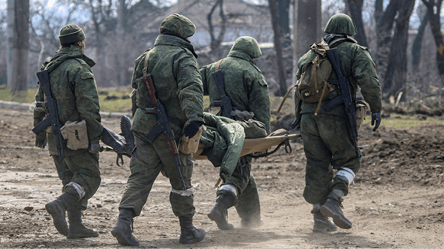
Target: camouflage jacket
x: 244, y: 84
x: 174, y: 69
x: 74, y: 88
x: 357, y: 65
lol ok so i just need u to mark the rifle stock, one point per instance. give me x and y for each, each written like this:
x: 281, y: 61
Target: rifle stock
x: 225, y: 101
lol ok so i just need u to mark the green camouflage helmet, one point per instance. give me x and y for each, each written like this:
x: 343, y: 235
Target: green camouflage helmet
x: 178, y: 24
x: 341, y: 24
x: 71, y: 33
x: 248, y: 45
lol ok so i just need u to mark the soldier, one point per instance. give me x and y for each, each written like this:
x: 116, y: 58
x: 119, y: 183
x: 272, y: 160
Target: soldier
x: 247, y: 89
x: 74, y: 88
x: 173, y: 66
x: 327, y: 136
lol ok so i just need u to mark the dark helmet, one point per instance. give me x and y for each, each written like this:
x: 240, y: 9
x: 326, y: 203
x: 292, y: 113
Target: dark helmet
x: 248, y: 45
x: 71, y: 33
x: 340, y: 24
x: 179, y: 25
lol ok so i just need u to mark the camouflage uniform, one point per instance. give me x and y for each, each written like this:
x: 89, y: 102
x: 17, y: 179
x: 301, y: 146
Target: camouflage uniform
x: 174, y: 68
x: 74, y: 88
x: 327, y: 137
x: 248, y: 91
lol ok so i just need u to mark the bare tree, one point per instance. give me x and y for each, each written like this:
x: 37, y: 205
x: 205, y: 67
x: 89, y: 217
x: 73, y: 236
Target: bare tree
x: 355, y: 7
x: 20, y: 47
x: 396, y: 74
x: 434, y: 10
x: 216, y: 41
x: 417, y: 42
x: 278, y: 47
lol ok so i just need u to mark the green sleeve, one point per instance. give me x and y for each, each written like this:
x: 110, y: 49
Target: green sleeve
x: 364, y: 72
x: 189, y: 82
x: 87, y: 101
x: 259, y: 101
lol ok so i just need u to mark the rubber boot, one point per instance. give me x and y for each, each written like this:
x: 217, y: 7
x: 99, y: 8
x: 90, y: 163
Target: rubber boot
x: 332, y: 208
x: 57, y: 209
x: 122, y: 230
x: 188, y: 233
x: 76, y: 227
x: 219, y: 212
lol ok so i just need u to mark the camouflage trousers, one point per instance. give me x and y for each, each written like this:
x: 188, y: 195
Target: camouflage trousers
x: 147, y: 161
x: 328, y: 145
x: 247, y: 201
x: 83, y: 168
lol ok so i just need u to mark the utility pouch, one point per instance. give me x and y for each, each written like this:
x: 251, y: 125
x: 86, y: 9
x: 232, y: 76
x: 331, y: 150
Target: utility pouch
x: 76, y: 135
x: 189, y: 145
x: 362, y: 108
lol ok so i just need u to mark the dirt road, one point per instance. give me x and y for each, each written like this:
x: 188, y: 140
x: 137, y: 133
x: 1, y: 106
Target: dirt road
x: 397, y: 200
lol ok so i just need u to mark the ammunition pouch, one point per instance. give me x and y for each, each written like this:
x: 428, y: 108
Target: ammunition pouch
x: 76, y: 135
x: 362, y: 108
x: 189, y: 145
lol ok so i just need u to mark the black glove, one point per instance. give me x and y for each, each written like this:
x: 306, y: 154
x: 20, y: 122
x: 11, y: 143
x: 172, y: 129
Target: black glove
x: 40, y: 143
x: 192, y: 128
x: 40, y: 140
x: 376, y: 116
x: 93, y: 148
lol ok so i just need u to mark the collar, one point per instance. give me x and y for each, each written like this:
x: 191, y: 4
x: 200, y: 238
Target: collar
x: 241, y: 55
x: 173, y: 40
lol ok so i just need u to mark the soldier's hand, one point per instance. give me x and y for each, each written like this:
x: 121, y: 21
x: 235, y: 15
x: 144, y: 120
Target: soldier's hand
x: 376, y: 120
x: 93, y: 148
x: 41, y: 143
x: 192, y: 128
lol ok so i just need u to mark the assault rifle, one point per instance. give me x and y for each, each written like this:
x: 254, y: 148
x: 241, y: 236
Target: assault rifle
x: 162, y: 124
x: 350, y: 108
x: 53, y: 117
x: 225, y: 101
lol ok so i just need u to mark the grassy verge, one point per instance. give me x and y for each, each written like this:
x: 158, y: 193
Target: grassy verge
x: 406, y: 121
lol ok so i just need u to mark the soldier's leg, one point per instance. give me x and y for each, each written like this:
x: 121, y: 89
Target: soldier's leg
x: 318, y: 174
x: 145, y: 166
x: 82, y: 179
x: 182, y: 200
x: 248, y: 205
x: 345, y: 161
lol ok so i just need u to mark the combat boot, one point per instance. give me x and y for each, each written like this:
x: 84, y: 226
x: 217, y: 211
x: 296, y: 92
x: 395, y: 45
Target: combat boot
x: 219, y: 212
x: 188, y: 233
x: 57, y: 209
x: 332, y: 208
x: 76, y: 227
x: 322, y: 224
x: 122, y: 230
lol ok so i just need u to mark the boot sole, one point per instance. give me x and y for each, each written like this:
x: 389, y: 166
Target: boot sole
x: 62, y: 227
x: 193, y: 241
x: 122, y: 240
x: 82, y: 236
x: 339, y: 220
x: 221, y: 223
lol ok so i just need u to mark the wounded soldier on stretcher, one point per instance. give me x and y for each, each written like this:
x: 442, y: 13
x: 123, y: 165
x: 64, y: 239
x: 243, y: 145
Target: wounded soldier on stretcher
x: 222, y: 141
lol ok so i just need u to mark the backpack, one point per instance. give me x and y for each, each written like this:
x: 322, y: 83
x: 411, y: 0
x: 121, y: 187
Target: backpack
x: 313, y: 86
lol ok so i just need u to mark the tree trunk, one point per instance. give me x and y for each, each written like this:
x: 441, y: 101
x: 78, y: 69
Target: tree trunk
x: 395, y: 77
x: 355, y: 7
x: 216, y: 41
x: 417, y: 43
x: 20, y: 48
x: 278, y: 47
x: 122, y: 67
x: 434, y: 10
x: 9, y: 42
x: 384, y: 25
x: 283, y: 8
x: 309, y: 25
